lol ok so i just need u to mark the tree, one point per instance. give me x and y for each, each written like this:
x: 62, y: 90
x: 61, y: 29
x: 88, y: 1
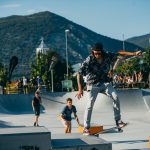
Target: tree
x: 128, y: 66
x: 13, y: 63
x: 134, y: 64
x: 42, y: 69
x: 3, y: 75
x: 147, y: 64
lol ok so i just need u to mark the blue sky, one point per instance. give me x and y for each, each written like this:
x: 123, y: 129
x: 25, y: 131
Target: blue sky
x: 111, y: 18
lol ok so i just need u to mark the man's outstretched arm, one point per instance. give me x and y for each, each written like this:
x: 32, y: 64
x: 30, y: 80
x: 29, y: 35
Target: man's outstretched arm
x: 125, y: 53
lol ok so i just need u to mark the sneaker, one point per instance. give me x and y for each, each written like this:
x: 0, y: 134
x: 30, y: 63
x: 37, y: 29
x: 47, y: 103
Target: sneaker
x: 120, y: 123
x: 86, y: 132
x: 34, y: 124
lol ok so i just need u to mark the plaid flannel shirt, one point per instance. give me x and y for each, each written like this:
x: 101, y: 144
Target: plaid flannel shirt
x: 97, y: 73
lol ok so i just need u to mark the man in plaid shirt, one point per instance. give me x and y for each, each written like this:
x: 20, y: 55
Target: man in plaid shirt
x: 97, y: 68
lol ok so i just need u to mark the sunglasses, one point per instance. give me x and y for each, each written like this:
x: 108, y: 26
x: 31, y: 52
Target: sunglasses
x: 97, y: 53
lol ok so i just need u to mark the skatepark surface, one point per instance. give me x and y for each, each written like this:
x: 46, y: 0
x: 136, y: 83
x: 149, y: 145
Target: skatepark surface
x: 16, y: 111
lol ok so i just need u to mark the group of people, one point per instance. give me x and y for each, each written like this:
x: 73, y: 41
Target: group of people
x: 26, y: 85
x: 98, y: 68
x: 128, y: 80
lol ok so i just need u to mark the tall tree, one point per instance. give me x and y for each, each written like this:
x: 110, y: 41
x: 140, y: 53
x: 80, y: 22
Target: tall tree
x: 43, y: 69
x: 3, y: 74
x: 147, y: 63
x: 13, y: 63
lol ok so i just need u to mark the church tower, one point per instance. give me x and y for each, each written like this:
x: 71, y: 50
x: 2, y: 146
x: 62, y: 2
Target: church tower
x: 42, y: 48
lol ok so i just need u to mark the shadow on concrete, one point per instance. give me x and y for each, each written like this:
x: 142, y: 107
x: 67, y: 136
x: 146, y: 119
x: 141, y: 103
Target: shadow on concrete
x: 146, y: 92
x: 4, y: 124
x: 130, y: 141
x: 17, y: 104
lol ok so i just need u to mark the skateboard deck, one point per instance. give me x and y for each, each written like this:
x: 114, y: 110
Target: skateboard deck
x: 119, y: 129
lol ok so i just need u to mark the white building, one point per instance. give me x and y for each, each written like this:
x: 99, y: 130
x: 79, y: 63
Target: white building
x: 42, y: 48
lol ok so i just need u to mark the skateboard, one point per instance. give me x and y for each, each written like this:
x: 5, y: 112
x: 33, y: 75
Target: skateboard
x: 95, y: 128
x: 119, y: 129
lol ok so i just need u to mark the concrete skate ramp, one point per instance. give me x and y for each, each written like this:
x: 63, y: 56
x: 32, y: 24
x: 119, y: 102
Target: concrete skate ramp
x: 130, y: 99
x: 15, y: 103
x: 22, y: 103
x: 146, y: 97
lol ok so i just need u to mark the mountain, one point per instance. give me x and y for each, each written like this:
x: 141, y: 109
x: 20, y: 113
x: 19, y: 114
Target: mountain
x: 142, y: 41
x: 20, y: 36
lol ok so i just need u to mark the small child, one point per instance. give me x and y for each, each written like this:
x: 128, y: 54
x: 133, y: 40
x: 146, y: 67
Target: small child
x: 66, y: 115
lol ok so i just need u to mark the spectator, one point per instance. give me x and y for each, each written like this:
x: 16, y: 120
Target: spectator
x: 25, y: 85
x: 140, y: 76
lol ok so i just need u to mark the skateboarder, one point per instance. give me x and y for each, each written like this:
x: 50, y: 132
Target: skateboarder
x: 36, y: 104
x: 97, y: 68
x: 66, y: 115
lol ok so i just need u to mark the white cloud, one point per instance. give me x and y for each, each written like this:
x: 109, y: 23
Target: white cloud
x: 30, y: 11
x: 10, y: 6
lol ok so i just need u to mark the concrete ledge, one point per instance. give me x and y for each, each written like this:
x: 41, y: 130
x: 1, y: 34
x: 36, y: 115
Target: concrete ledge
x: 76, y: 141
x: 25, y: 138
